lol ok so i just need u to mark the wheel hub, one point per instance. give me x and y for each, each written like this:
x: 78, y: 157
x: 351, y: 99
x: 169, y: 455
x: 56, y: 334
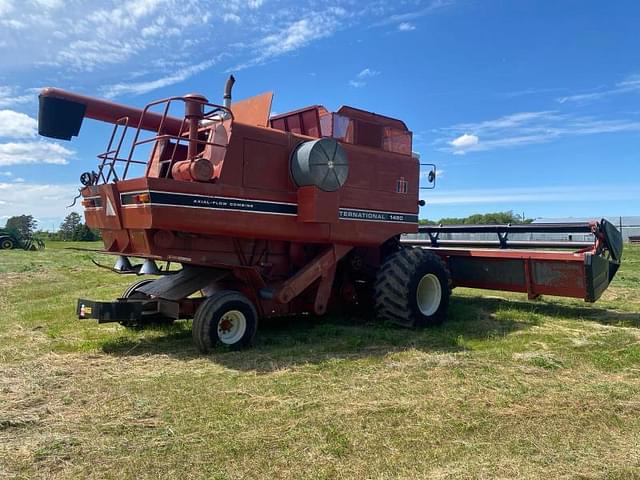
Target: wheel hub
x: 231, y: 327
x: 429, y: 294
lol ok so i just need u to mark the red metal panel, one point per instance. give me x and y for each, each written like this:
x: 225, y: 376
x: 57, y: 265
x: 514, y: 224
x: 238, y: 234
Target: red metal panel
x: 532, y: 272
x: 261, y: 157
x: 314, y: 205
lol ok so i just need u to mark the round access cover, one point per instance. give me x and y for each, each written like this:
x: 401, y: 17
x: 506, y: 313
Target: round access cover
x: 321, y: 163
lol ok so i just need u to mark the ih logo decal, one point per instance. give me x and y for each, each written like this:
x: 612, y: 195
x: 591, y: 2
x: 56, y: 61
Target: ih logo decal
x: 402, y: 186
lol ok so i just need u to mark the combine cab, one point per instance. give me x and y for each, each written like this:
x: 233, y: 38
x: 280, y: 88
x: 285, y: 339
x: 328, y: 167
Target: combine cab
x: 306, y: 211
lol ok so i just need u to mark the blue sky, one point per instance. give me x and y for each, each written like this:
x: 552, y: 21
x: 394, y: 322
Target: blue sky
x: 531, y: 106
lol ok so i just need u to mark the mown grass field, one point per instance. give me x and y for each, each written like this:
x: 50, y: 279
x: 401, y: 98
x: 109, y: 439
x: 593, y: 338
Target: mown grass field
x: 506, y: 389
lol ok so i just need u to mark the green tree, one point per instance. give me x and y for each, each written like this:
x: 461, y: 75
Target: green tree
x: 494, y: 218
x: 82, y: 233
x: 70, y: 225
x: 23, y: 225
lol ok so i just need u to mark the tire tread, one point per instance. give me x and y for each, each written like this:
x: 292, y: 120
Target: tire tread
x: 391, y: 289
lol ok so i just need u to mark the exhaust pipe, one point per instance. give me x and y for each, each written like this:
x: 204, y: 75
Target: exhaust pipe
x: 226, y: 99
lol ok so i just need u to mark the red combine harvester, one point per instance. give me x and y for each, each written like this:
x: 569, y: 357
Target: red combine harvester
x: 300, y: 212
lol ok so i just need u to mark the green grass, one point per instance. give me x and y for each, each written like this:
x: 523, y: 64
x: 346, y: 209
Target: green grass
x: 505, y: 389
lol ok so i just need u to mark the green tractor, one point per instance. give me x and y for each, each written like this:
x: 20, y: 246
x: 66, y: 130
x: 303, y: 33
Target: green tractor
x: 10, y: 239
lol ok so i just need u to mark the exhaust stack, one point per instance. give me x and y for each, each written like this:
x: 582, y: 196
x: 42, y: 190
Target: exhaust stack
x: 226, y: 99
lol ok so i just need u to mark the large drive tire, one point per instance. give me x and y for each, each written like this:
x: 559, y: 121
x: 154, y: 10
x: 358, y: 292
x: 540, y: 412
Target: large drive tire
x: 227, y: 317
x: 412, y: 289
x: 6, y: 243
x: 147, y: 317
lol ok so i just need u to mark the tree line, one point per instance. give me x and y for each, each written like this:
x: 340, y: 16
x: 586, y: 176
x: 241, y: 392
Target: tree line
x: 495, y: 218
x: 72, y: 229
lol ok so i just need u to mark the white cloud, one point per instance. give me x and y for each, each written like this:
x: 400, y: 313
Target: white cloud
x: 6, y: 7
x: 34, y: 152
x: 19, y: 180
x: 10, y: 97
x: 87, y: 55
x: 431, y: 8
x: 463, y: 143
x: 231, y: 17
x: 362, y: 76
x: 50, y: 3
x: 526, y: 128
x: 406, y: 27
x: 294, y: 36
x: 92, y: 35
x: 110, y: 38
x: 43, y: 201
x: 368, y: 72
x: 529, y: 91
x: 138, y: 88
x: 16, y: 125
x: 13, y: 24
x: 631, y: 84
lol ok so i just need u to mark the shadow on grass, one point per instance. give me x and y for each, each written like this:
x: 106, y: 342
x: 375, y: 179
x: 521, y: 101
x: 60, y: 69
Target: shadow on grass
x: 563, y: 311
x: 289, y: 341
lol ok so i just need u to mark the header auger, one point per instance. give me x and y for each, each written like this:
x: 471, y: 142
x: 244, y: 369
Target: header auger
x: 272, y: 215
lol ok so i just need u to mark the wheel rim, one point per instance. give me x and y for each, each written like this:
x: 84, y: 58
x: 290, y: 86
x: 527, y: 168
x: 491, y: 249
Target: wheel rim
x: 429, y: 294
x: 231, y: 327
x: 7, y: 244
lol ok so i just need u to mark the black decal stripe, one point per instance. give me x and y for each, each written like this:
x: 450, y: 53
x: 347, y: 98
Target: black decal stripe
x: 222, y: 203
x: 258, y: 206
x: 127, y: 198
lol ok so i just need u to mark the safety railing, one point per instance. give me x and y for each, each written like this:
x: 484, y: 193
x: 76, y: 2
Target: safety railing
x: 114, y: 166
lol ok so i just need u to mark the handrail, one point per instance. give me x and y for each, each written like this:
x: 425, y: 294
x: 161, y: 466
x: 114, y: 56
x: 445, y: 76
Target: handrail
x: 110, y: 158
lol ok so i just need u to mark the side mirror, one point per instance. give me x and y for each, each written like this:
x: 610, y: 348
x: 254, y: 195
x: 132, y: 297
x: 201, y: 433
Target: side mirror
x: 429, y: 174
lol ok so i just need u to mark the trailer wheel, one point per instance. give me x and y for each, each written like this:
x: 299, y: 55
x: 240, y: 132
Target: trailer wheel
x: 412, y: 289
x: 227, y: 317
x: 6, y: 243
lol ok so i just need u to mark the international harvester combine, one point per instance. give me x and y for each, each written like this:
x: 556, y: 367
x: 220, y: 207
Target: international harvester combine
x: 304, y: 211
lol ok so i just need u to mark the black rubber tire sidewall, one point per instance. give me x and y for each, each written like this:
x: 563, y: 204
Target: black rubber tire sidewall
x: 146, y: 319
x: 429, y: 265
x: 6, y: 244
x: 131, y: 289
x: 397, y: 282
x: 205, y: 322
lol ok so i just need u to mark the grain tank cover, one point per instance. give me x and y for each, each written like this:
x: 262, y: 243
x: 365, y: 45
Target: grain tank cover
x: 320, y: 163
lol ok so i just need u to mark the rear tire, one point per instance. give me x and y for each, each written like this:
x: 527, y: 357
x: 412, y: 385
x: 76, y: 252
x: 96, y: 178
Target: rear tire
x: 6, y: 243
x: 412, y: 289
x: 228, y: 318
